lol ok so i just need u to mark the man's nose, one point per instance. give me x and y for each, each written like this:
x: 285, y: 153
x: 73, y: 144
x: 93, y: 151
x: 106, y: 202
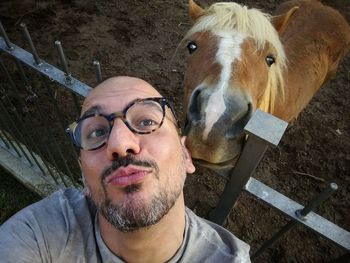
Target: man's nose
x: 122, y: 141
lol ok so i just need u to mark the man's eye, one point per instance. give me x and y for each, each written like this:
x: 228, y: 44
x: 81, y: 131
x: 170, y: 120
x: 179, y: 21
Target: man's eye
x: 148, y: 122
x: 97, y: 133
x: 145, y: 124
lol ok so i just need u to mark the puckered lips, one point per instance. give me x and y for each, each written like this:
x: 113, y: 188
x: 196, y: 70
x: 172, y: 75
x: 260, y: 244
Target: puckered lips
x: 128, y: 175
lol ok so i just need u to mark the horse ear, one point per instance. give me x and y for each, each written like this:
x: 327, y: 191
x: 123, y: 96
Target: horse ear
x: 280, y: 22
x: 194, y: 10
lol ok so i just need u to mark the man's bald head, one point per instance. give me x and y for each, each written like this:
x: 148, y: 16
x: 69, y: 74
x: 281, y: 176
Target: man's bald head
x: 124, y: 87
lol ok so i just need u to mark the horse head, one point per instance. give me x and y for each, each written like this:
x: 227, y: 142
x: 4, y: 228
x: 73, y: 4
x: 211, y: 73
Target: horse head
x: 235, y: 65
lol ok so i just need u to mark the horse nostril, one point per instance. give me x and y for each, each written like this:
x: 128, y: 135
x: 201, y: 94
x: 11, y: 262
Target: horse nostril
x: 250, y: 109
x: 194, y: 106
x: 236, y: 130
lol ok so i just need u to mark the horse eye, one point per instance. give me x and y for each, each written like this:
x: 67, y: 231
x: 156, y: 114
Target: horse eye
x: 270, y: 60
x: 192, y: 46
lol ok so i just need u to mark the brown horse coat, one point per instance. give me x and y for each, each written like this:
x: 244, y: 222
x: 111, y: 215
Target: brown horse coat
x: 315, y: 40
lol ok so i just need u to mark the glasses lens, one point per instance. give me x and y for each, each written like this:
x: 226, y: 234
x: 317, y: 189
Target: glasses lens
x: 145, y: 116
x: 92, y: 132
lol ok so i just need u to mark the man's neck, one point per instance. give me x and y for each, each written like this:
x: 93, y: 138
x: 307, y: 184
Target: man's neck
x: 157, y: 243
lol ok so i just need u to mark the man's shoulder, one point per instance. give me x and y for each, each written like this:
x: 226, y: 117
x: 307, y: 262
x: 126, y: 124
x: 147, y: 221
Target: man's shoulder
x: 58, y: 202
x: 215, y: 242
x: 49, y: 228
x: 61, y: 206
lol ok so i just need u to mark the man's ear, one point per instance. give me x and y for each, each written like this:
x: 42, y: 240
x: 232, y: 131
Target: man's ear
x: 187, y: 157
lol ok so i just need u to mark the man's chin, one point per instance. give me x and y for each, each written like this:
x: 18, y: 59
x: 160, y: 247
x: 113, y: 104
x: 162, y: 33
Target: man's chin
x: 134, y: 212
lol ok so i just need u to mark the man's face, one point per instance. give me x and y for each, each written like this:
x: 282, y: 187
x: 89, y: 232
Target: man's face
x: 134, y: 179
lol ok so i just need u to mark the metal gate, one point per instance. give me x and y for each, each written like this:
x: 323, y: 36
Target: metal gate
x: 36, y: 102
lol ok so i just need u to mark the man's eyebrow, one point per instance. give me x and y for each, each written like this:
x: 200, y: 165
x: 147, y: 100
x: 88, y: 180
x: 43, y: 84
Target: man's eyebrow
x: 93, y: 110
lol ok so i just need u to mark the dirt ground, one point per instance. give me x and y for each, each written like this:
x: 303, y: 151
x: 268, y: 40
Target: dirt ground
x: 140, y: 38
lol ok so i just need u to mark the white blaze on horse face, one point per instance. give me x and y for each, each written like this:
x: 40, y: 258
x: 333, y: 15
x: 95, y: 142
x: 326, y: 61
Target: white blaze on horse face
x: 228, y: 51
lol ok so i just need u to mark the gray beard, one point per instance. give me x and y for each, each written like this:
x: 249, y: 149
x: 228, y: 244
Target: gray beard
x: 131, y: 216
x: 134, y: 213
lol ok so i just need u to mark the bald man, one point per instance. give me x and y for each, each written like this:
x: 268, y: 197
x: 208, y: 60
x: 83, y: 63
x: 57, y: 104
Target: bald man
x: 134, y: 165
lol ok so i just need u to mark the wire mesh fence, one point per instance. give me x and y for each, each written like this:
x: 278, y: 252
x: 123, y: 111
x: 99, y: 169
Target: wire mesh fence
x: 37, y: 102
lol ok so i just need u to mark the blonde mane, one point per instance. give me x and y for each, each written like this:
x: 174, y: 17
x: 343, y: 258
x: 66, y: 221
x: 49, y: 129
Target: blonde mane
x: 254, y: 24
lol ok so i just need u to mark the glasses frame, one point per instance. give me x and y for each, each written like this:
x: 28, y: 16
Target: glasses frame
x: 122, y: 115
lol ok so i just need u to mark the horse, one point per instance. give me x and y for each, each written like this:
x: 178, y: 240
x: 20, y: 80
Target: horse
x: 243, y: 59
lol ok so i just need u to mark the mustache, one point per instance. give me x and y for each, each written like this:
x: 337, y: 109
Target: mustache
x: 128, y: 160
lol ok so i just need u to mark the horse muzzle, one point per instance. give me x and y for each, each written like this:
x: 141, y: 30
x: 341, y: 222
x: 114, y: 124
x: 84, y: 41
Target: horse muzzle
x: 221, y: 146
x: 216, y: 151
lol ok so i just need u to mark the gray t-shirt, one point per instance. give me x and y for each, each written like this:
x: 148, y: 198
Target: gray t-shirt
x: 63, y: 228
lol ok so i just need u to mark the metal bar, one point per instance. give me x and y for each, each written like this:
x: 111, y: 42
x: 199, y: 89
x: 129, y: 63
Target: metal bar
x: 45, y: 69
x: 10, y: 141
x: 267, y: 127
x: 97, y: 66
x: 21, y: 73
x: 68, y: 74
x: 3, y: 130
x: 289, y: 207
x: 30, y: 42
x: 58, y: 149
x: 36, y: 135
x: 13, y: 86
x: 253, y: 151
x: 40, y: 138
x: 25, y: 80
x: 61, y: 121
x: 13, y: 127
x: 27, y: 175
x: 47, y: 165
x: 3, y: 33
x: 63, y: 59
x: 4, y: 141
x: 27, y: 140
x: 49, y: 149
x: 264, y: 130
x: 33, y: 130
x: 301, y: 214
x: 59, y: 115
x: 272, y: 240
x: 327, y: 192
x: 76, y: 103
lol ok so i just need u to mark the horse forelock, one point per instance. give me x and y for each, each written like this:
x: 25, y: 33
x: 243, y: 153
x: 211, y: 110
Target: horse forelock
x: 255, y: 24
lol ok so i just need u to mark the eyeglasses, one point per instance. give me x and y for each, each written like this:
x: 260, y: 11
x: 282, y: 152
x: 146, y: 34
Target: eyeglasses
x: 142, y: 116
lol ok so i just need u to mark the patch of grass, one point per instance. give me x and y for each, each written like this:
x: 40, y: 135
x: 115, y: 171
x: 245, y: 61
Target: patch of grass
x: 13, y: 196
